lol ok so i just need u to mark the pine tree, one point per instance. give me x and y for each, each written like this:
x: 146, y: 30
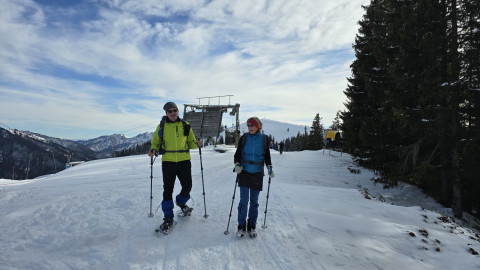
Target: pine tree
x: 298, y: 142
x: 368, y: 118
x: 315, y: 138
x: 418, y: 77
x: 288, y: 145
x: 336, y: 125
x: 469, y: 13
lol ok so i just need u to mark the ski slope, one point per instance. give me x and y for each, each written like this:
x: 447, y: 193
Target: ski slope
x: 95, y: 216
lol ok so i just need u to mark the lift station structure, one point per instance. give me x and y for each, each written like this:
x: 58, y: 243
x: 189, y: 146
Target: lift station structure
x: 206, y: 120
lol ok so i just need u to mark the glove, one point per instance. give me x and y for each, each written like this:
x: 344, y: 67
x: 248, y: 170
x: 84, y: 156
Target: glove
x: 238, y: 168
x: 271, y: 174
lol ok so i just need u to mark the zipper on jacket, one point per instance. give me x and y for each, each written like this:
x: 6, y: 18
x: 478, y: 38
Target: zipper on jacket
x: 176, y: 143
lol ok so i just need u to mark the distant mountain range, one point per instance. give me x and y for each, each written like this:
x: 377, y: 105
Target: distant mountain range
x: 25, y: 154
x: 104, y: 146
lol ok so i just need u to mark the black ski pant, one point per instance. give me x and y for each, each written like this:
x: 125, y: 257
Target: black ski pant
x: 171, y: 170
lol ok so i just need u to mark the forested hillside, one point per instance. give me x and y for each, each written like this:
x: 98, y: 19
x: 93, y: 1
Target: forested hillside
x: 413, y: 100
x: 26, y: 155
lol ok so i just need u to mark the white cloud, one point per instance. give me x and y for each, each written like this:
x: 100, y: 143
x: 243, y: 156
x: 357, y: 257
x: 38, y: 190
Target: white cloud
x: 268, y: 54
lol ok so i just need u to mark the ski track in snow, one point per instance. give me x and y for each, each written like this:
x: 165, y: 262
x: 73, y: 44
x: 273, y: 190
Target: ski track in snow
x: 95, y: 216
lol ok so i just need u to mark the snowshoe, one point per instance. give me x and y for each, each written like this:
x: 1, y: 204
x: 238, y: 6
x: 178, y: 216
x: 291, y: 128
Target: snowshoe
x: 241, y: 230
x: 185, y: 210
x: 166, y: 227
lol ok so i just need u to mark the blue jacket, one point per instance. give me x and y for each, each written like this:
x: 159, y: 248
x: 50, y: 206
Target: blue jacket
x: 253, y: 153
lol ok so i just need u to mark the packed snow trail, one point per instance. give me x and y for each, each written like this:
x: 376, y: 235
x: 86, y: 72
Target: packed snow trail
x: 95, y: 216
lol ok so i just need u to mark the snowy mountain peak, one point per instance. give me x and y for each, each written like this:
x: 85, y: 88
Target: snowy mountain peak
x: 279, y: 130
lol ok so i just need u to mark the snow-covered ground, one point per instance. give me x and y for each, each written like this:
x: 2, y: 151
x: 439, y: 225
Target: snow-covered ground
x: 95, y: 216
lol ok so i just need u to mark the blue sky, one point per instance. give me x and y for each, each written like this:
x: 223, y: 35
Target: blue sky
x: 82, y: 69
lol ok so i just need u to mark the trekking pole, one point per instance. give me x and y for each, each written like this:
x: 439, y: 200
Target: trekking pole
x: 151, y: 186
x: 266, y: 206
x: 203, y: 185
x: 201, y: 168
x: 231, y: 207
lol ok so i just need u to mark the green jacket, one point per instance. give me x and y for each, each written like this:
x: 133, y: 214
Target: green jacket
x: 177, y: 145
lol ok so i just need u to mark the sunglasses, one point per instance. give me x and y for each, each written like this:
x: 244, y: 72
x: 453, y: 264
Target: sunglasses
x: 172, y: 111
x: 250, y: 125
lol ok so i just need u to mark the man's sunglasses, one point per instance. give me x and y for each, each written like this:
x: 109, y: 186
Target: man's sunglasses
x: 172, y: 111
x: 250, y: 125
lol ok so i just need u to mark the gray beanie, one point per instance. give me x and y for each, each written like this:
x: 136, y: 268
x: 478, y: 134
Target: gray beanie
x: 169, y: 105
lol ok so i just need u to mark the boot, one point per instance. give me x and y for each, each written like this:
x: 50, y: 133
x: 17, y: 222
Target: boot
x: 186, y: 211
x: 251, y: 229
x: 241, y: 230
x: 167, y: 224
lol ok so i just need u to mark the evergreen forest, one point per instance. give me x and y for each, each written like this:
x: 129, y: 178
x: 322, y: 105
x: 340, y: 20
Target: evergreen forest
x: 413, y: 99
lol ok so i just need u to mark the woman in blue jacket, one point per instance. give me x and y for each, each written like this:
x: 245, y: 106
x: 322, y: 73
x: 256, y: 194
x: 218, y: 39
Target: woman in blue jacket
x: 251, y: 155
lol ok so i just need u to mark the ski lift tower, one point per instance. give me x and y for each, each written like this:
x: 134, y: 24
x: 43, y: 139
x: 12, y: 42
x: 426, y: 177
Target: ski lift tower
x: 206, y: 120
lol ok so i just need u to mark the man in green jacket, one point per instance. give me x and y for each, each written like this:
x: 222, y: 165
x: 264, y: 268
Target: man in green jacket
x: 174, y: 138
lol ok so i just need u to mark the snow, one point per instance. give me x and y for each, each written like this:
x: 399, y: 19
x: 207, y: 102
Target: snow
x: 95, y: 216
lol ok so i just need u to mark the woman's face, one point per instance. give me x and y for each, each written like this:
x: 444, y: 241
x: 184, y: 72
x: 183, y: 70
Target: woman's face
x: 252, y: 129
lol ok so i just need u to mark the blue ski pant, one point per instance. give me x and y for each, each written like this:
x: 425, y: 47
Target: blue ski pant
x: 248, y: 195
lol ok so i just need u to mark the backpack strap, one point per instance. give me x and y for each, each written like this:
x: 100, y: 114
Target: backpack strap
x: 161, y: 142
x: 266, y: 145
x: 186, y: 128
x: 186, y: 132
x: 243, y: 140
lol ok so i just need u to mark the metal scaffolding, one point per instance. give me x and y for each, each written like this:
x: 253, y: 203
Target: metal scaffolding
x: 206, y: 120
